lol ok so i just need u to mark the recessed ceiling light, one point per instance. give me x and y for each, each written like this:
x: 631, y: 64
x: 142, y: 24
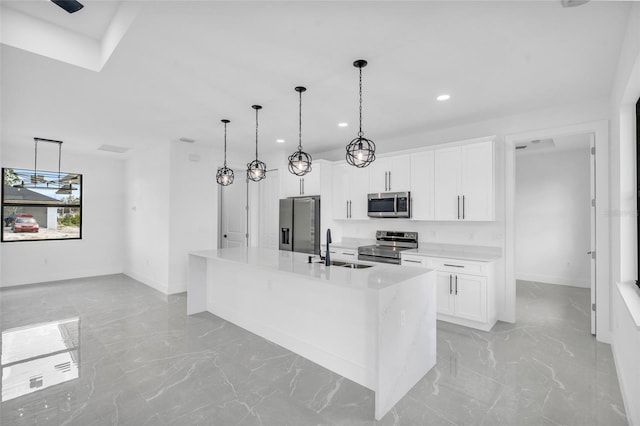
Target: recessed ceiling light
x: 280, y: 140
x: 343, y: 124
x: 443, y: 97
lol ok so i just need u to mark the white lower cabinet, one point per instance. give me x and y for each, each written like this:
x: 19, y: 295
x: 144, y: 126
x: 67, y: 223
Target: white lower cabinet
x: 465, y: 290
x: 339, y: 253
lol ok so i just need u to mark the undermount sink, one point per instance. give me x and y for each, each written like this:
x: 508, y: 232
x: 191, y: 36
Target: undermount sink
x: 347, y: 264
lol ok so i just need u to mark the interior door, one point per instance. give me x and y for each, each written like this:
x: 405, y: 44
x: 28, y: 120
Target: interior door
x: 592, y: 249
x: 233, y: 214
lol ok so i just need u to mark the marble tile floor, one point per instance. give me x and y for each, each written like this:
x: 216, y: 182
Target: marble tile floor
x: 142, y: 361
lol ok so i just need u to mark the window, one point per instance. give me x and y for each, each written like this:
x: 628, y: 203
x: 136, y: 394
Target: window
x: 40, y: 205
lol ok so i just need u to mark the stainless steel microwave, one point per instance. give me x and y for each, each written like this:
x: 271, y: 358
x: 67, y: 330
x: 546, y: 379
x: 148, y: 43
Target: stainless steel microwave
x: 389, y: 204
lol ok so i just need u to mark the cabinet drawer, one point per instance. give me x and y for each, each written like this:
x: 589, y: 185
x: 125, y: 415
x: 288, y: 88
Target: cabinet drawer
x: 414, y: 261
x: 458, y: 266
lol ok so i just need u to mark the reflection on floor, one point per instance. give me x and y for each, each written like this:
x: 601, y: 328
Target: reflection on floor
x: 143, y: 361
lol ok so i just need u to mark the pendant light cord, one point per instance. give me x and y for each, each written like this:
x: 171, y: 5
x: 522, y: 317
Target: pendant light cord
x: 300, y: 123
x: 360, y: 131
x: 59, y: 161
x: 225, y: 145
x: 35, y: 165
x: 256, y: 133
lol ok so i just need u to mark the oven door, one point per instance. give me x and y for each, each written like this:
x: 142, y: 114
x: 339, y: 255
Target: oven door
x: 379, y: 259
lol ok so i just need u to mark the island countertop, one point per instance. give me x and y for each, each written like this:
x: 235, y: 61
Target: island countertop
x: 379, y: 276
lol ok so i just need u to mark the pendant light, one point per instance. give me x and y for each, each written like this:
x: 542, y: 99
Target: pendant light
x: 256, y: 170
x: 224, y: 176
x: 361, y: 151
x: 300, y: 161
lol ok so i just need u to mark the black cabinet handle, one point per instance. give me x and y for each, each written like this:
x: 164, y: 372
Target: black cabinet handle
x: 456, y: 285
x: 454, y: 266
x: 463, y: 206
x: 458, y: 207
x: 450, y: 284
x: 412, y: 261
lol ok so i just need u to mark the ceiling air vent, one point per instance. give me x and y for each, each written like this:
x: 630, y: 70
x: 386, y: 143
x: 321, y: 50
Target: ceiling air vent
x: 573, y: 3
x: 113, y: 148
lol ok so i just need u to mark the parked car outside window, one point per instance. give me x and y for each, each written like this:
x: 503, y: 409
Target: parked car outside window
x: 25, y: 223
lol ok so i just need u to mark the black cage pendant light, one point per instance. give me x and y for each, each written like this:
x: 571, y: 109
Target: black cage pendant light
x: 224, y: 176
x: 256, y: 170
x: 300, y: 161
x: 361, y: 151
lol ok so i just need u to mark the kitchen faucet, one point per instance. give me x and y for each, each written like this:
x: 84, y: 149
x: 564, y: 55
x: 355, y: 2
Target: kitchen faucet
x: 327, y: 260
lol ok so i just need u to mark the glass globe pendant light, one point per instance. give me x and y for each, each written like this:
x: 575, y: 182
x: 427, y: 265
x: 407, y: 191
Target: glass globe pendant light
x: 300, y: 161
x: 361, y: 151
x: 256, y: 170
x: 224, y: 176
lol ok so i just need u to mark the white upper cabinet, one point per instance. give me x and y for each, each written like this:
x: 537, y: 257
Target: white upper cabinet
x: 350, y: 189
x: 422, y: 185
x: 297, y: 186
x: 477, y: 181
x: 464, y: 182
x: 390, y: 174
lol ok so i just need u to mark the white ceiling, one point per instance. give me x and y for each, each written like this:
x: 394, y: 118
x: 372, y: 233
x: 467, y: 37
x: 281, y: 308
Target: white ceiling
x: 182, y: 66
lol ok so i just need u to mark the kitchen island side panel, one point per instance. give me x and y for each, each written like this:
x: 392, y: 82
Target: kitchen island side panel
x: 406, y: 348
x: 330, y: 325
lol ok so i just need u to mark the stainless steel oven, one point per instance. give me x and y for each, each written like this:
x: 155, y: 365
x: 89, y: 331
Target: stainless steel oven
x: 389, y: 204
x: 388, y: 246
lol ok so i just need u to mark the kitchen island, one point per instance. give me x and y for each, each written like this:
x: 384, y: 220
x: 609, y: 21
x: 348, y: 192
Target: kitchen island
x: 375, y: 326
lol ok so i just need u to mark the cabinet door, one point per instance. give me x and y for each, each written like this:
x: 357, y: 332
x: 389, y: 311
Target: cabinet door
x: 477, y: 181
x: 470, y: 297
x: 378, y: 175
x: 444, y: 296
x: 358, y: 185
x: 341, y: 191
x: 348, y: 255
x: 399, y: 173
x: 311, y: 181
x: 290, y: 185
x: 447, y: 183
x: 422, y: 185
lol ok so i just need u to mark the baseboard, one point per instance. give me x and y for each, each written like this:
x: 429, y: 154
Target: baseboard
x: 546, y: 279
x: 156, y: 285
x: 49, y: 278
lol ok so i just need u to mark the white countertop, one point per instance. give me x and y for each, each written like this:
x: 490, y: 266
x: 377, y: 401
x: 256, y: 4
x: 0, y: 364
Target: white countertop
x: 456, y: 251
x: 378, y: 277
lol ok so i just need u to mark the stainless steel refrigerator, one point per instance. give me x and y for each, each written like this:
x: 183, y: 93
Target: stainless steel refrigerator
x: 300, y: 224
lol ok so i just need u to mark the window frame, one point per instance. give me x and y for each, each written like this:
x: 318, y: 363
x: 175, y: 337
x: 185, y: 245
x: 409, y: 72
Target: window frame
x: 79, y: 206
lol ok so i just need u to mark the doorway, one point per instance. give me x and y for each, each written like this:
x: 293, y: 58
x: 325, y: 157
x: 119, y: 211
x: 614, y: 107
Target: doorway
x: 600, y: 130
x: 555, y: 226
x: 233, y: 201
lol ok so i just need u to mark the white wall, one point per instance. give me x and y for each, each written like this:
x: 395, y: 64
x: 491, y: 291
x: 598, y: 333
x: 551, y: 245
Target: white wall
x: 171, y: 209
x: 193, y: 206
x: 625, y: 336
x: 100, y: 251
x: 146, y: 222
x: 552, y: 217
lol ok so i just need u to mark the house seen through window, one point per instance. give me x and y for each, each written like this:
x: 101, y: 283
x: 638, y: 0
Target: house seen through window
x: 41, y: 205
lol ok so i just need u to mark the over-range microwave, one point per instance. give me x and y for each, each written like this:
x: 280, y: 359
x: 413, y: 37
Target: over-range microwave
x: 389, y: 204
